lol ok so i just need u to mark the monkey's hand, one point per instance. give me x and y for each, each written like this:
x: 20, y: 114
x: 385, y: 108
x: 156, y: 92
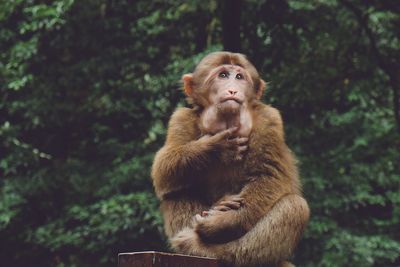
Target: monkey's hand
x: 229, y: 202
x: 220, y: 224
x: 218, y: 140
x: 231, y: 147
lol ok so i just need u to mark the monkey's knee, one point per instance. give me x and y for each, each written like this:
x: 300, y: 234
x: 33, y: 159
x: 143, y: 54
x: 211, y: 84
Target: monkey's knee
x: 300, y: 208
x: 219, y: 227
x: 185, y: 241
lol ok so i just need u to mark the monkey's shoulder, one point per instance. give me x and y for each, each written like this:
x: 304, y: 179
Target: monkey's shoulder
x: 184, y: 116
x: 266, y: 115
x: 184, y: 124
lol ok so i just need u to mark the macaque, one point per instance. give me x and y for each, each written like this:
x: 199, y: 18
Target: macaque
x: 227, y: 182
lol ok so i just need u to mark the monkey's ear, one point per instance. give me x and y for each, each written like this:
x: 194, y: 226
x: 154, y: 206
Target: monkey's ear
x: 187, y: 80
x: 261, y: 89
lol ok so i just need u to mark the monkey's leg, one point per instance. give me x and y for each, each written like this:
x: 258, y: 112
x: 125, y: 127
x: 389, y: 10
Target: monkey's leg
x: 270, y: 242
x: 259, y: 196
x: 178, y: 213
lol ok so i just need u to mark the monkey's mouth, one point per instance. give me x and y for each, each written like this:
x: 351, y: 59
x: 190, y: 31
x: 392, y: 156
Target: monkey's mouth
x: 237, y: 100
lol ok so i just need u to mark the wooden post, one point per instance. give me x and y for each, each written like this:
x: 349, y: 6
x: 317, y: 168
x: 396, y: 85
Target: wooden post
x: 161, y: 259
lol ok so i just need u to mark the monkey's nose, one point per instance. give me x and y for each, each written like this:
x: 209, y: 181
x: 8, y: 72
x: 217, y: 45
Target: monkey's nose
x: 232, y: 91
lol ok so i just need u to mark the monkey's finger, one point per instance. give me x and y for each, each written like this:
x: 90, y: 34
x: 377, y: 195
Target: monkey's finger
x: 239, y: 140
x: 204, y: 213
x: 237, y: 144
x: 221, y: 208
x: 205, y: 137
x: 235, y: 198
x: 212, y: 212
x: 225, y: 134
x: 242, y: 149
x: 231, y: 204
x: 238, y: 199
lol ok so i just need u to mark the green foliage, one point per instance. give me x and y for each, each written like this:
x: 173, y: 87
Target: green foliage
x: 87, y: 87
x: 110, y: 223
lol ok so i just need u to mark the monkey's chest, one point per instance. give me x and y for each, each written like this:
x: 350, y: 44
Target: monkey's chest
x: 224, y: 180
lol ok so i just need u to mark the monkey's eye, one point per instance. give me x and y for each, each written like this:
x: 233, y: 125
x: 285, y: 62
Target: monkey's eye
x: 223, y: 74
x: 239, y: 76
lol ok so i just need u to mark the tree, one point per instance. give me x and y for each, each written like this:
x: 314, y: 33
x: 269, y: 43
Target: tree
x: 87, y: 87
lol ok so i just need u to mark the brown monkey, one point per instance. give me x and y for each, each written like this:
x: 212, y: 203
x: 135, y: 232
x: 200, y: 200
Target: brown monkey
x: 227, y: 182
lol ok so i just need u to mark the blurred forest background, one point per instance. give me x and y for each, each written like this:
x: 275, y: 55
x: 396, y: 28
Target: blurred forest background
x: 87, y: 87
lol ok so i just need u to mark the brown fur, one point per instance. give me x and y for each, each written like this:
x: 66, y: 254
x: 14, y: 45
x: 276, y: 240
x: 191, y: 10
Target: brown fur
x: 192, y: 174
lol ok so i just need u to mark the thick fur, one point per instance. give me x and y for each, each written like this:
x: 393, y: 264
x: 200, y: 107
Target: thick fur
x: 274, y: 211
x: 192, y: 174
x: 272, y: 239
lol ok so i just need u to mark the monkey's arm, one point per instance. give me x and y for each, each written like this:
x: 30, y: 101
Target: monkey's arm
x: 258, y: 197
x: 173, y: 164
x: 271, y: 241
x: 178, y: 163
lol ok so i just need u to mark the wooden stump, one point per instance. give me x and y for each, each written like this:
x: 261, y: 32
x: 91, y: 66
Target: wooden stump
x: 161, y: 259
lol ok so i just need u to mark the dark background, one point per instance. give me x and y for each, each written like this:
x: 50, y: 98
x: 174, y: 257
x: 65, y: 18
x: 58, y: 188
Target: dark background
x: 87, y: 87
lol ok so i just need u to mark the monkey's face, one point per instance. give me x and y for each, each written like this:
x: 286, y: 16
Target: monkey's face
x: 230, y: 86
x: 223, y: 80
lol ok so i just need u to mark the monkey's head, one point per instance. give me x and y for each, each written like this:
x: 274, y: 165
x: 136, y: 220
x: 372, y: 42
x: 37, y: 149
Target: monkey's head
x: 225, y: 80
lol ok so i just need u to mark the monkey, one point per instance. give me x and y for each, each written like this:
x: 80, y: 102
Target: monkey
x: 228, y: 184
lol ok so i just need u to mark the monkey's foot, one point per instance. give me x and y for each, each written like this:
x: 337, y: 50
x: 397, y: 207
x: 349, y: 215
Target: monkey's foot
x: 183, y: 241
x: 188, y: 242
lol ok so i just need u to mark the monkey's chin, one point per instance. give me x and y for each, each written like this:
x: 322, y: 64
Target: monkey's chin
x: 229, y: 107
